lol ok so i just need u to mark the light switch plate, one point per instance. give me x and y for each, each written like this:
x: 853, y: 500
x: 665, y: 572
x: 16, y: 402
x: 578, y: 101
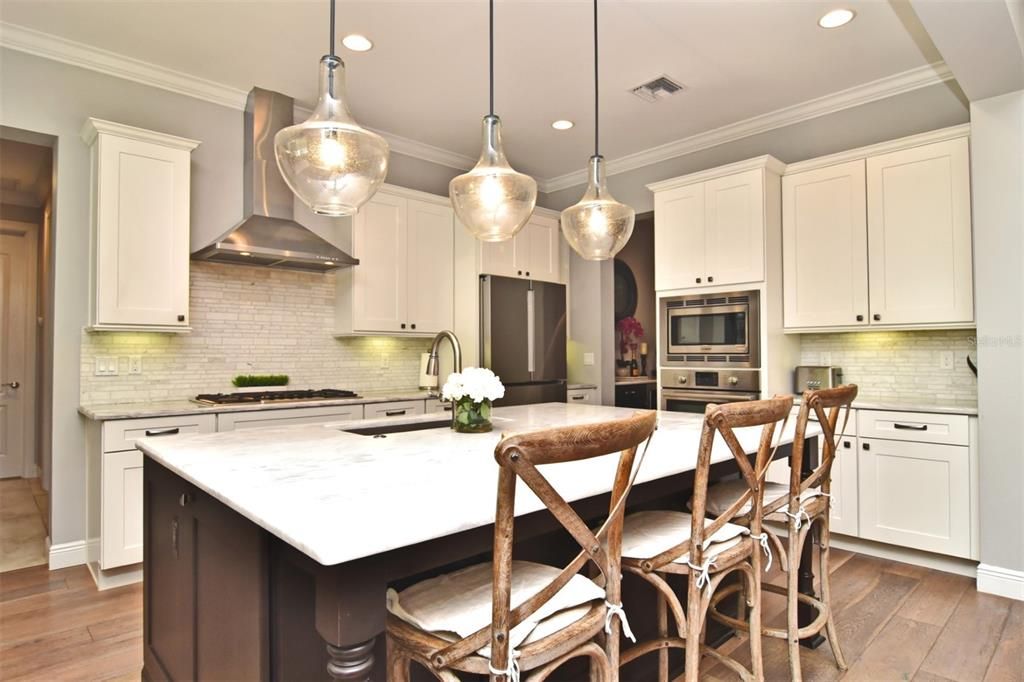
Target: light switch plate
x: 106, y: 366
x: 135, y: 364
x: 588, y: 359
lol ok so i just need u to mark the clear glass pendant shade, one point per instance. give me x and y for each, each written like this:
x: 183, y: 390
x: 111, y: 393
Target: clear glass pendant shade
x: 597, y: 227
x: 330, y: 162
x: 493, y: 201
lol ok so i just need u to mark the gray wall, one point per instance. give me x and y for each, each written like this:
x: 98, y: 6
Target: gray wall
x: 55, y: 99
x: 997, y: 176
x: 929, y: 108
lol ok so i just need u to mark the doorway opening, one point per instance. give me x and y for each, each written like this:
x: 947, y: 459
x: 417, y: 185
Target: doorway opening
x: 26, y: 345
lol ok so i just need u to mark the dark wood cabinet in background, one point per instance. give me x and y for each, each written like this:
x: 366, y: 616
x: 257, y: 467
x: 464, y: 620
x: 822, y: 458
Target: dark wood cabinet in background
x: 640, y: 395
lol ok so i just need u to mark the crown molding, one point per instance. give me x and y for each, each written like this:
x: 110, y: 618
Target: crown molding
x: 94, y: 126
x: 940, y: 135
x: 882, y: 88
x: 59, y: 49
x: 767, y: 162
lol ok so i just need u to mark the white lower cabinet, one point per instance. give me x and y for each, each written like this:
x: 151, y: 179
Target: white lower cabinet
x: 916, y: 495
x: 582, y: 396
x: 233, y: 421
x: 405, y: 408
x: 436, y: 406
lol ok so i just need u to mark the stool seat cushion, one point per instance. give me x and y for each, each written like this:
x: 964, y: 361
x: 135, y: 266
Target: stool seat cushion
x: 649, y: 533
x: 723, y: 494
x: 457, y: 604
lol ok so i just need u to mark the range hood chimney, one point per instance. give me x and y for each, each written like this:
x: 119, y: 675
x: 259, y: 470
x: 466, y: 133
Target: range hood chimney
x: 268, y: 234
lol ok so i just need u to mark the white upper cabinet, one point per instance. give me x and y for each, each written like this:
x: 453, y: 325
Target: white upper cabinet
x: 710, y: 226
x: 824, y: 247
x: 404, y: 282
x: 880, y: 236
x: 919, y: 235
x: 140, y: 227
x: 534, y: 253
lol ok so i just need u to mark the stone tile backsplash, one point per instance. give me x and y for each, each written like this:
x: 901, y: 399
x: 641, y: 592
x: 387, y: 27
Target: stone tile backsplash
x: 898, y: 365
x: 249, y: 320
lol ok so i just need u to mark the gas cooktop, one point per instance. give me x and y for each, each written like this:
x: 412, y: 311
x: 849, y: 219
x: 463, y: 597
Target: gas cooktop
x: 273, y: 396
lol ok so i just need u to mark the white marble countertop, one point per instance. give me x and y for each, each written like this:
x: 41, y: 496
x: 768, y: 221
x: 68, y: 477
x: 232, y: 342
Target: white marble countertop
x: 623, y: 381
x: 935, y: 406
x: 338, y: 496
x: 170, y: 408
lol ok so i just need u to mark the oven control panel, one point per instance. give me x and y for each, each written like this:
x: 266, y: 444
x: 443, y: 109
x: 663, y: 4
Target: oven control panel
x: 729, y: 379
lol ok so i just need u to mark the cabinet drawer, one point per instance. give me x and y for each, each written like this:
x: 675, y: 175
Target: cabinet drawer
x: 583, y: 396
x: 233, y: 421
x: 121, y: 434
x: 406, y: 408
x: 850, y: 423
x: 438, y: 407
x: 921, y: 427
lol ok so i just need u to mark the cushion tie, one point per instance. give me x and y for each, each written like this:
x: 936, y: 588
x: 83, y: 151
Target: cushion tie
x: 703, y: 573
x: 763, y: 537
x: 511, y: 671
x: 617, y: 610
x: 801, y: 512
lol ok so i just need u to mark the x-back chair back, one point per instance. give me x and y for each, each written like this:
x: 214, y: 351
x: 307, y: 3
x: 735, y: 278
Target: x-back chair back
x: 519, y: 456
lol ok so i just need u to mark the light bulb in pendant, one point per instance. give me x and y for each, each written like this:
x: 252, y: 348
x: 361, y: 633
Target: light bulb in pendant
x: 598, y: 226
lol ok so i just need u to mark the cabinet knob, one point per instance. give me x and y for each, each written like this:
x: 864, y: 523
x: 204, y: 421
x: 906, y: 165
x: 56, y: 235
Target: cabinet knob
x: 876, y: 317
x: 181, y: 318
x: 846, y: 444
x: 860, y: 318
x: 698, y: 280
x: 520, y: 272
x: 527, y: 273
x: 866, y: 446
x: 710, y: 279
x: 403, y: 325
x: 413, y: 325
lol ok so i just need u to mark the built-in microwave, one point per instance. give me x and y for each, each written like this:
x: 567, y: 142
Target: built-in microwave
x: 710, y: 330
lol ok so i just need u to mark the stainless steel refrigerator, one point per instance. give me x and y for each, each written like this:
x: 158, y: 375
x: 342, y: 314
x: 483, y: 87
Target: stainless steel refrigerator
x: 522, y: 338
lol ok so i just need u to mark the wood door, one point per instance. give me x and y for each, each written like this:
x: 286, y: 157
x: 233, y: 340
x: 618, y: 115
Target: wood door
x: 537, y: 249
x: 142, y: 233
x: 919, y: 235
x: 825, y: 247
x: 734, y: 230
x: 380, y: 281
x: 431, y: 277
x: 915, y: 495
x: 17, y: 313
x: 121, y: 510
x: 679, y: 238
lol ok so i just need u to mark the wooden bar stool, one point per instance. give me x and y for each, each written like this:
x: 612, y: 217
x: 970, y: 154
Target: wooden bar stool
x: 803, y: 506
x: 658, y: 543
x: 508, y: 616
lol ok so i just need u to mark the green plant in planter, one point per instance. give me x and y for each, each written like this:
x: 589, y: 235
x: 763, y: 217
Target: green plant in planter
x: 472, y: 392
x: 247, y: 380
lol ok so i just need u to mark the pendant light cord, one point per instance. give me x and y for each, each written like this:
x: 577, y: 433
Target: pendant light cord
x: 491, y: 55
x: 331, y: 51
x: 597, y: 148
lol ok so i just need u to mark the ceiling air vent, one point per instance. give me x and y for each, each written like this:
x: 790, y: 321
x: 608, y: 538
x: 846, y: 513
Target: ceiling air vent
x: 659, y: 88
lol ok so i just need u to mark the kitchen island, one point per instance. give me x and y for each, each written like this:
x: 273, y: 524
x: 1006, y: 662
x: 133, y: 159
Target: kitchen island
x: 268, y: 551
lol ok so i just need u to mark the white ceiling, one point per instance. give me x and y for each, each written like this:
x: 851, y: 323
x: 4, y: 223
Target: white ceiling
x: 425, y: 79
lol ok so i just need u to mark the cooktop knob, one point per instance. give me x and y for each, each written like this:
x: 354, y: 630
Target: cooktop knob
x: 733, y: 381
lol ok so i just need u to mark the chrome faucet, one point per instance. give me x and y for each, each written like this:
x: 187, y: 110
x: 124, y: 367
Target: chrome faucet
x: 433, y: 366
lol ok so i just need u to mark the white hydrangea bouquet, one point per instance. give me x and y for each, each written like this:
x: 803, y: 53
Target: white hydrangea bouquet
x: 472, y: 391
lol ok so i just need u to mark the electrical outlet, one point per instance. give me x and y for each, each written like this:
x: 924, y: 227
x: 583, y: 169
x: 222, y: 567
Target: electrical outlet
x: 826, y: 358
x: 588, y: 359
x: 106, y: 366
x: 385, y: 361
x: 135, y: 364
x: 946, y: 359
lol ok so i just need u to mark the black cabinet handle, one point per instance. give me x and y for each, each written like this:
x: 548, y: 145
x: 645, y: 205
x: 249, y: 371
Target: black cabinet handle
x: 866, y: 446
x: 876, y: 317
x: 403, y: 325
x: 860, y: 318
x: 413, y: 325
x: 394, y: 413
x: 846, y: 444
x: 447, y: 408
x: 578, y: 397
x: 163, y: 432
x: 527, y: 273
x: 911, y: 427
x: 181, y: 318
x: 520, y: 272
x: 698, y: 280
x: 710, y: 279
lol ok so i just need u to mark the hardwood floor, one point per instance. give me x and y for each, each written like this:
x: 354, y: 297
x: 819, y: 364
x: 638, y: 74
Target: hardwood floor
x: 23, y: 519
x: 897, y: 622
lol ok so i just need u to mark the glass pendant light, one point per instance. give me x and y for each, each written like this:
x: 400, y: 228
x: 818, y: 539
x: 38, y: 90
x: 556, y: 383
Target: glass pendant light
x: 330, y: 162
x: 598, y: 226
x: 493, y: 201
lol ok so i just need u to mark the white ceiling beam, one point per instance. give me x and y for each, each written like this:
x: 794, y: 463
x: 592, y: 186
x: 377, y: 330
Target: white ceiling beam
x: 980, y: 41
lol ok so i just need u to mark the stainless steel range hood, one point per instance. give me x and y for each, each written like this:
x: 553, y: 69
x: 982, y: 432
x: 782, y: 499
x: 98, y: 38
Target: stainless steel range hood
x: 269, y: 235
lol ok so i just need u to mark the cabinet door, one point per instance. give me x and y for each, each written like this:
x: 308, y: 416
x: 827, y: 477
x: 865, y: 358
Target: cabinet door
x: 679, y: 238
x: 379, y: 282
x: 919, y: 235
x: 537, y: 250
x: 142, y: 233
x: 844, y: 487
x: 431, y: 278
x: 825, y: 247
x: 915, y: 495
x: 499, y: 258
x: 121, y: 509
x: 734, y: 228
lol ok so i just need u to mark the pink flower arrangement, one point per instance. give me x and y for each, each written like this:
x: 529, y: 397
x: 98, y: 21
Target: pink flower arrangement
x: 630, y: 331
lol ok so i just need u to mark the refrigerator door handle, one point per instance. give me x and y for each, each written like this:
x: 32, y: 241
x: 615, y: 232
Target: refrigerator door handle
x: 530, y: 324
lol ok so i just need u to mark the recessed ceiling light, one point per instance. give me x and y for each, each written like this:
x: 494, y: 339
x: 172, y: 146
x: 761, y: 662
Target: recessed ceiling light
x: 357, y: 43
x: 562, y: 124
x: 836, y: 18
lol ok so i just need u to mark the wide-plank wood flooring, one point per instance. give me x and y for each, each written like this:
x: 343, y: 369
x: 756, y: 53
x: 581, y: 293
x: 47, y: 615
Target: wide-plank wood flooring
x: 896, y: 621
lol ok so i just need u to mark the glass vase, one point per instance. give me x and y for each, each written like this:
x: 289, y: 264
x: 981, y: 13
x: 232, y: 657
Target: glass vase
x: 472, y: 417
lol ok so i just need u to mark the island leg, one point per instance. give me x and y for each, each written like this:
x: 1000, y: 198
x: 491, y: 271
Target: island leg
x: 351, y: 663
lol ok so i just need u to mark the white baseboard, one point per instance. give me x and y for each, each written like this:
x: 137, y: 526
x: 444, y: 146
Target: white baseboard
x: 1004, y: 582
x: 68, y: 554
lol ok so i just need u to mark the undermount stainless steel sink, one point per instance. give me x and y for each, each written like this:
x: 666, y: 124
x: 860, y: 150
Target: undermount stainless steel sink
x: 384, y: 429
